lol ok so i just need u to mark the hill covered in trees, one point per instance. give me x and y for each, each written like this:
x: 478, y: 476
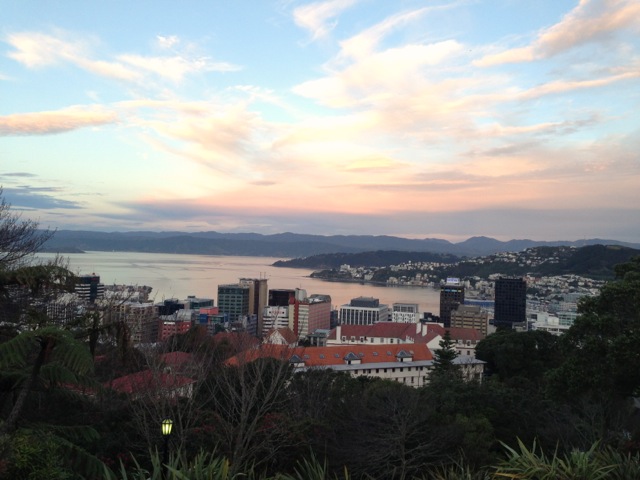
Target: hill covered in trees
x: 593, y: 261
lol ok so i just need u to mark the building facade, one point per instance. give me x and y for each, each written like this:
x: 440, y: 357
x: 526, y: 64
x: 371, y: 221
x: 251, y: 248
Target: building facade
x: 309, y: 314
x: 510, y: 302
x: 470, y: 316
x: 451, y: 295
x: 405, y: 313
x: 233, y: 301
x: 364, y: 311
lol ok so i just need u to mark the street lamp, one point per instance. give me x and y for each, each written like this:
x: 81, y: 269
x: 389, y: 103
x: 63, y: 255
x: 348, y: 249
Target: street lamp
x: 167, y: 425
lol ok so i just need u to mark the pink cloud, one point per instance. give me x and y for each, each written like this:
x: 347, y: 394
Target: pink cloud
x: 43, y: 123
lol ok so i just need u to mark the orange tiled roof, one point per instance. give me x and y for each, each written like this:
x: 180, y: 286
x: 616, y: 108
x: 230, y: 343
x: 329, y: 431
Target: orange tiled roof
x: 148, y: 381
x: 327, y: 356
x: 389, y: 330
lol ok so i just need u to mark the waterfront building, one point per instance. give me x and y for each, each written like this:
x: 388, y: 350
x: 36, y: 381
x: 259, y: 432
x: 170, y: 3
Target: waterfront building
x: 405, y: 313
x: 233, y: 301
x: 364, y: 311
x: 88, y: 288
x: 451, y: 295
x: 194, y: 303
x: 510, y: 302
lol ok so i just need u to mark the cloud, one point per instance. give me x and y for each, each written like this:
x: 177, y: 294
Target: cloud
x: 167, y: 41
x: 591, y: 21
x: 41, y: 198
x: 175, y: 68
x: 38, y: 50
x: 316, y: 17
x: 51, y: 122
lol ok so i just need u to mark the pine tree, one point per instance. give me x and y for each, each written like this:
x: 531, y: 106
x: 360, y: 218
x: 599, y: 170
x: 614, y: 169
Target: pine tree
x: 443, y: 362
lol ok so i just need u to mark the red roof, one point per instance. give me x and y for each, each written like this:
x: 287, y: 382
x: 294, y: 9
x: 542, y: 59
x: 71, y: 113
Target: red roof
x: 148, y: 381
x: 176, y: 359
x: 287, y: 334
x: 459, y: 333
x: 327, y: 356
x: 390, y: 330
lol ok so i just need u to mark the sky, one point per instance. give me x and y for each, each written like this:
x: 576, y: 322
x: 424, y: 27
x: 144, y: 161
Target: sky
x: 420, y: 119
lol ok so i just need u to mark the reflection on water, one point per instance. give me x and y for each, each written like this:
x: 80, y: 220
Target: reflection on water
x: 173, y: 275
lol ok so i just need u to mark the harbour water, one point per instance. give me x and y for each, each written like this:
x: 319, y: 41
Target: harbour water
x: 177, y: 276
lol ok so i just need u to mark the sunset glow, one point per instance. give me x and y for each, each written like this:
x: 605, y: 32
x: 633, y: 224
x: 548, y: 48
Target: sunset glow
x: 420, y: 119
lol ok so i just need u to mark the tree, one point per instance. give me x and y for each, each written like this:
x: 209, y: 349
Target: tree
x: 603, y: 359
x: 444, y: 357
x: 18, y: 238
x: 510, y: 354
x: 248, y: 402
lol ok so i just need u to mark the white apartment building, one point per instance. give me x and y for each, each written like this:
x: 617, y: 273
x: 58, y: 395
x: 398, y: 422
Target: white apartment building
x: 405, y: 313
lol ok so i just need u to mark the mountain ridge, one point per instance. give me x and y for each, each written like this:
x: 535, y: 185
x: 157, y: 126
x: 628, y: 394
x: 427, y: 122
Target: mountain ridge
x: 289, y: 245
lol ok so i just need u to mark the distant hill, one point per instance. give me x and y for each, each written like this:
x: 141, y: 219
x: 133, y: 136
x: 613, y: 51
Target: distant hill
x: 285, y: 245
x: 379, y: 258
x: 593, y: 261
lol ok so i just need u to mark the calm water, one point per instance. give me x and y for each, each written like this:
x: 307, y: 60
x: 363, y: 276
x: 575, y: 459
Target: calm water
x: 176, y: 276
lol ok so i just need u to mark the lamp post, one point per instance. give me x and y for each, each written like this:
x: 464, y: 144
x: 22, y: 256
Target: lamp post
x: 167, y: 425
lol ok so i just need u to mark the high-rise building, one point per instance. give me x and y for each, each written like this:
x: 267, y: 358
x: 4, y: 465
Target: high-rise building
x: 510, y: 302
x: 89, y: 288
x: 258, y: 297
x: 451, y: 295
x: 233, y: 301
x: 364, y: 311
x: 308, y: 314
x: 279, y: 297
x: 470, y: 316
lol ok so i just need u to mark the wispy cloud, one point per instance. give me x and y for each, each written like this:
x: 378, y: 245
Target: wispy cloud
x: 591, y: 21
x: 38, y: 50
x: 319, y: 18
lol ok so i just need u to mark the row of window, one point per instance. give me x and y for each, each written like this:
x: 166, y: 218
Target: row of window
x: 385, y: 370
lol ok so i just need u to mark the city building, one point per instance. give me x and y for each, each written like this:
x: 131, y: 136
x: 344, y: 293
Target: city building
x: 179, y: 322
x: 194, y: 303
x: 258, y: 298
x: 407, y: 364
x: 233, y: 301
x: 364, y: 311
x: 388, y: 333
x: 470, y: 316
x: 275, y: 317
x: 451, y: 295
x: 405, y: 313
x: 88, y: 288
x: 308, y: 314
x: 510, y: 302
x: 279, y: 297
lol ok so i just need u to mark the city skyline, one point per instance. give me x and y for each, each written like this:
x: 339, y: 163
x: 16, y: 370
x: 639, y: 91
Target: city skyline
x: 416, y: 119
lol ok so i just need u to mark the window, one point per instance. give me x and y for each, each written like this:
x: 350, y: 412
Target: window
x: 344, y: 339
x: 377, y: 370
x: 413, y: 379
x: 391, y: 340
